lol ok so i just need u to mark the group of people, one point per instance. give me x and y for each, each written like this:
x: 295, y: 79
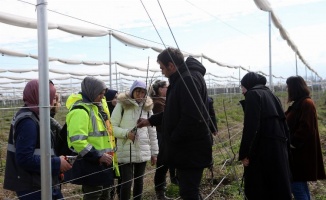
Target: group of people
x: 114, y: 135
x: 280, y: 151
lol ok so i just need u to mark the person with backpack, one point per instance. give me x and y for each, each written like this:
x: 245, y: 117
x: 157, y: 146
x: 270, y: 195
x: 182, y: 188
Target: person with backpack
x: 23, y: 162
x: 135, y: 146
x: 306, y: 161
x: 89, y: 134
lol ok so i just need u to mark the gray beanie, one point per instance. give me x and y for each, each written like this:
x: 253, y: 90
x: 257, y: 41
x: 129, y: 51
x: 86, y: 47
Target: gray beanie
x: 137, y: 84
x: 91, y: 87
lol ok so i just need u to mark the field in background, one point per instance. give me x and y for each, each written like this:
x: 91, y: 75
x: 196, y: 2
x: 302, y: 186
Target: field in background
x: 227, y: 171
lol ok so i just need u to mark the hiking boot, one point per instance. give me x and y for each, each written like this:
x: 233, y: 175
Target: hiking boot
x: 160, y: 195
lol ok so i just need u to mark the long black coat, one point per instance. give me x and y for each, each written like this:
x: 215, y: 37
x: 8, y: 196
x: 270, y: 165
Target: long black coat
x: 186, y: 137
x: 265, y: 143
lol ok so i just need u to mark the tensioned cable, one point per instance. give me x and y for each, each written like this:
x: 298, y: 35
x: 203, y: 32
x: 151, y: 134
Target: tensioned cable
x: 89, y: 22
x: 232, y: 27
x: 177, y: 68
x: 103, y: 26
x: 194, y: 85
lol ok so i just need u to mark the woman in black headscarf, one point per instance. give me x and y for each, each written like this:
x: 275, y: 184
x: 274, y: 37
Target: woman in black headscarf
x: 111, y: 98
x: 264, y: 144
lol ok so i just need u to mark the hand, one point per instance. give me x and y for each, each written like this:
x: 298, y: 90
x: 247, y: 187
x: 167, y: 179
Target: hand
x: 64, y: 164
x: 106, y: 159
x: 153, y: 160
x: 142, y: 122
x: 131, y: 135
x: 245, y: 162
x: 215, y: 133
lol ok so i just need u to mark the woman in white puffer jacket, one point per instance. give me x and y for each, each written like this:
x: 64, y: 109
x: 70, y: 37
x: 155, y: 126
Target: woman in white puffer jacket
x: 141, y: 144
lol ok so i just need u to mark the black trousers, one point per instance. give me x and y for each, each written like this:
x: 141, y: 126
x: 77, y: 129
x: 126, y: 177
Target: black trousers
x: 128, y: 172
x: 189, y: 182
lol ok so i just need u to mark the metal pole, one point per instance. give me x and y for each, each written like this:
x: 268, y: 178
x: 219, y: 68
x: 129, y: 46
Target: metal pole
x: 270, y: 54
x: 296, y: 64
x: 239, y: 80
x: 44, y: 99
x: 116, y: 75
x: 110, y: 59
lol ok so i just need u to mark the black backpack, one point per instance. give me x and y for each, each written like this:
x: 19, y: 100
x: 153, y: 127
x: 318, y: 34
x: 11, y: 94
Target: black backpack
x: 61, y: 144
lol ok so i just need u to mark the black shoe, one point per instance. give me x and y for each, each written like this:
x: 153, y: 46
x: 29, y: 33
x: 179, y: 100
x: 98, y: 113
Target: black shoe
x: 175, y: 181
x: 160, y: 195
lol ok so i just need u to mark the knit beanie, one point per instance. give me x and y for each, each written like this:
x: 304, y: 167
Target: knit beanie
x: 91, y: 87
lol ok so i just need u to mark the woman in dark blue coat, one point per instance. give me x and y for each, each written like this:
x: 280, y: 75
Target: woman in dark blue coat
x: 23, y: 163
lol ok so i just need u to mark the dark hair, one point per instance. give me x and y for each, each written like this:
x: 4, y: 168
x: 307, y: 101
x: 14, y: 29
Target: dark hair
x: 297, y: 88
x: 156, y: 85
x: 171, y: 55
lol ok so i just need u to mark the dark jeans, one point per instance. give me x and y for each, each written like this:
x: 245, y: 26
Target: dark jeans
x: 128, y: 172
x: 300, y: 190
x: 189, y: 181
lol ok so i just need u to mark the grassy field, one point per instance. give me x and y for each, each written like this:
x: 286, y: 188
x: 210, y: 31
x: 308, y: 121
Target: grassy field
x: 223, y: 183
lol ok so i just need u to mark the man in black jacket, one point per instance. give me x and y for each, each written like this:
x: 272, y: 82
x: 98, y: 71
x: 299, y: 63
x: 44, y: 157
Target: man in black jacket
x: 186, y: 138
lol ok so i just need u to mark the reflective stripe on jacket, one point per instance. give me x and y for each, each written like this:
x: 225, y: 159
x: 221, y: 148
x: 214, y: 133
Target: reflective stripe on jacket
x: 88, y: 129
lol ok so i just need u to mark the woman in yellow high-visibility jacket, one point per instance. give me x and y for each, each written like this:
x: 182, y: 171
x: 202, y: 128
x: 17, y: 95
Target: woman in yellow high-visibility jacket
x: 88, y: 136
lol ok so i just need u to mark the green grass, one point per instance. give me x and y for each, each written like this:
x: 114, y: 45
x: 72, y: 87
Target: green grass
x: 230, y: 122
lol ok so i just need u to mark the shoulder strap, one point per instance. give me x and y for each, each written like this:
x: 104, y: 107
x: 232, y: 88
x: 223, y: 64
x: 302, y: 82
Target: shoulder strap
x: 79, y: 107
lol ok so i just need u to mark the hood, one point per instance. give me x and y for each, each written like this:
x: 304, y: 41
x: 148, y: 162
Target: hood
x: 72, y: 99
x: 128, y: 103
x: 193, y: 65
x: 137, y: 84
x: 91, y: 87
x: 252, y: 79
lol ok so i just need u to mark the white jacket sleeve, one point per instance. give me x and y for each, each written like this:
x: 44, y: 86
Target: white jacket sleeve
x: 116, y: 118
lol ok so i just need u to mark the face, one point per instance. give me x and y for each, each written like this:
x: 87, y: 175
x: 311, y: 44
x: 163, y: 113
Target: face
x: 139, y: 94
x: 100, y: 96
x: 114, y: 100
x: 162, y: 91
x: 54, y: 100
x: 168, y: 70
x: 244, y: 90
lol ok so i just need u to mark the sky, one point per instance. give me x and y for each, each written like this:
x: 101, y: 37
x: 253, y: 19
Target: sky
x: 232, y: 32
